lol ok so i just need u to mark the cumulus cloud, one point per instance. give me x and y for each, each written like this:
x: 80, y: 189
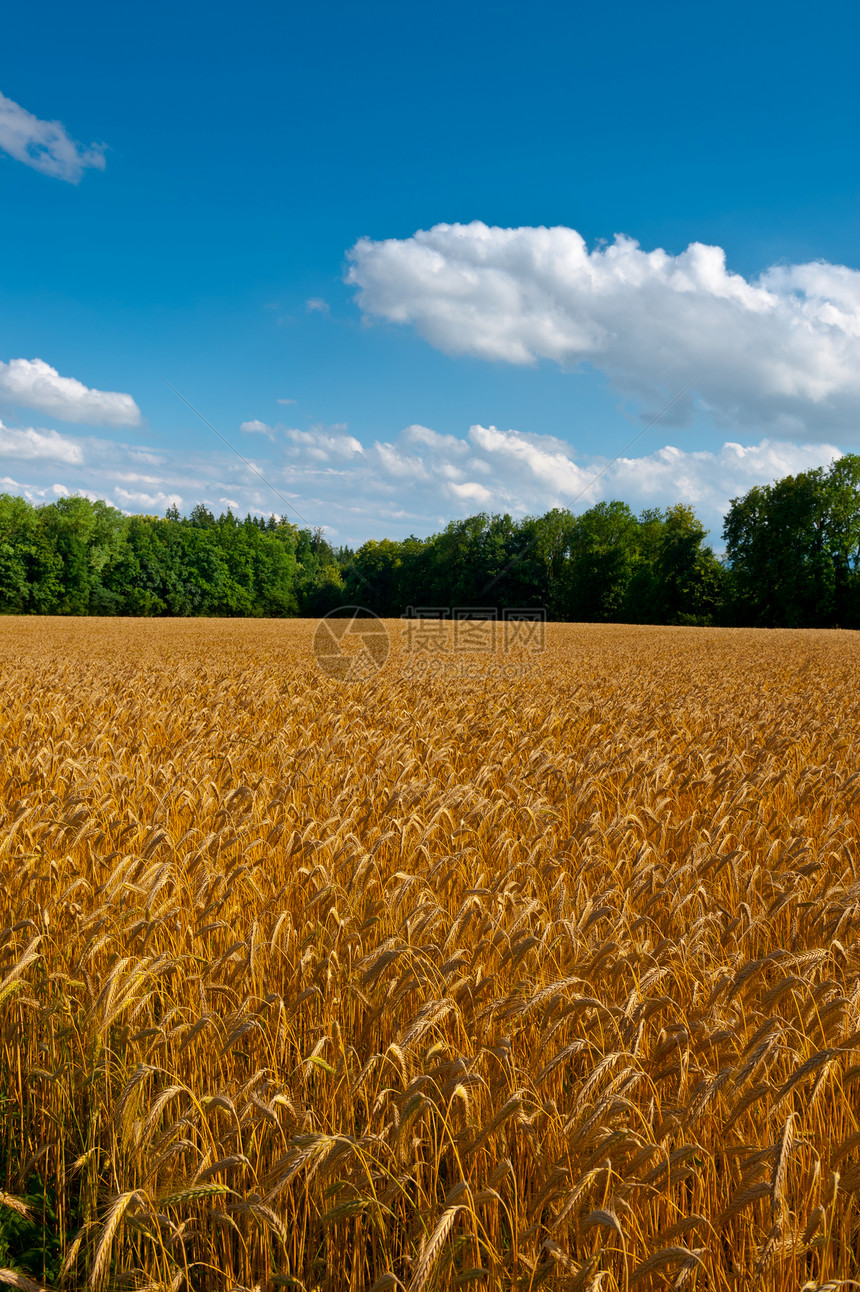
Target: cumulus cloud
x: 31, y: 445
x: 779, y: 352
x: 537, y: 466
x: 413, y: 483
x: 45, y: 145
x: 419, y: 480
x: 32, y: 383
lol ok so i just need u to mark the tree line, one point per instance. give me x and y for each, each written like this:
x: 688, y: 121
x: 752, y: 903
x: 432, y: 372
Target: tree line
x: 792, y: 558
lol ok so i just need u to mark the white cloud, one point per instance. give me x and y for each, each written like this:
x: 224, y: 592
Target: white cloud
x: 316, y: 305
x: 32, y: 383
x: 413, y: 483
x: 319, y: 444
x: 144, y: 457
x: 256, y: 427
x: 135, y: 477
x: 779, y: 353
x: 536, y: 472
x: 45, y: 145
x: 472, y: 492
x: 133, y: 499
x: 288, y: 401
x: 417, y: 481
x: 45, y: 446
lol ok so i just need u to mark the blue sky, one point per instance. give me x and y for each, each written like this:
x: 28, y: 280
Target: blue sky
x: 216, y: 170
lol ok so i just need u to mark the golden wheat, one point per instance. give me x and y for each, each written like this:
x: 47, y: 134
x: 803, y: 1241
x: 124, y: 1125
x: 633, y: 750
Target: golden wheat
x: 542, y: 971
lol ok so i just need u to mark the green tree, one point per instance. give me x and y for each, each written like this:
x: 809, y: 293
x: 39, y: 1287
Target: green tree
x: 88, y: 538
x: 689, y: 577
x: 601, y: 554
x: 792, y: 549
x: 29, y: 567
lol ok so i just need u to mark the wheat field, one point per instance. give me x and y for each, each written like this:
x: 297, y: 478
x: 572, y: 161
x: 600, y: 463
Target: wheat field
x: 536, y: 972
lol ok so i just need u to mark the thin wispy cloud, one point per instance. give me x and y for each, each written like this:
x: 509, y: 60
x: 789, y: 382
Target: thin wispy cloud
x: 256, y: 427
x: 32, y: 383
x: 319, y: 442
x: 46, y: 146
x: 778, y: 353
x: 316, y: 305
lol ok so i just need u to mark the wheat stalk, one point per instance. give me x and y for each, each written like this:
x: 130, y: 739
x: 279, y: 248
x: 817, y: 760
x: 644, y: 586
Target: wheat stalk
x: 291, y: 965
x: 435, y: 1243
